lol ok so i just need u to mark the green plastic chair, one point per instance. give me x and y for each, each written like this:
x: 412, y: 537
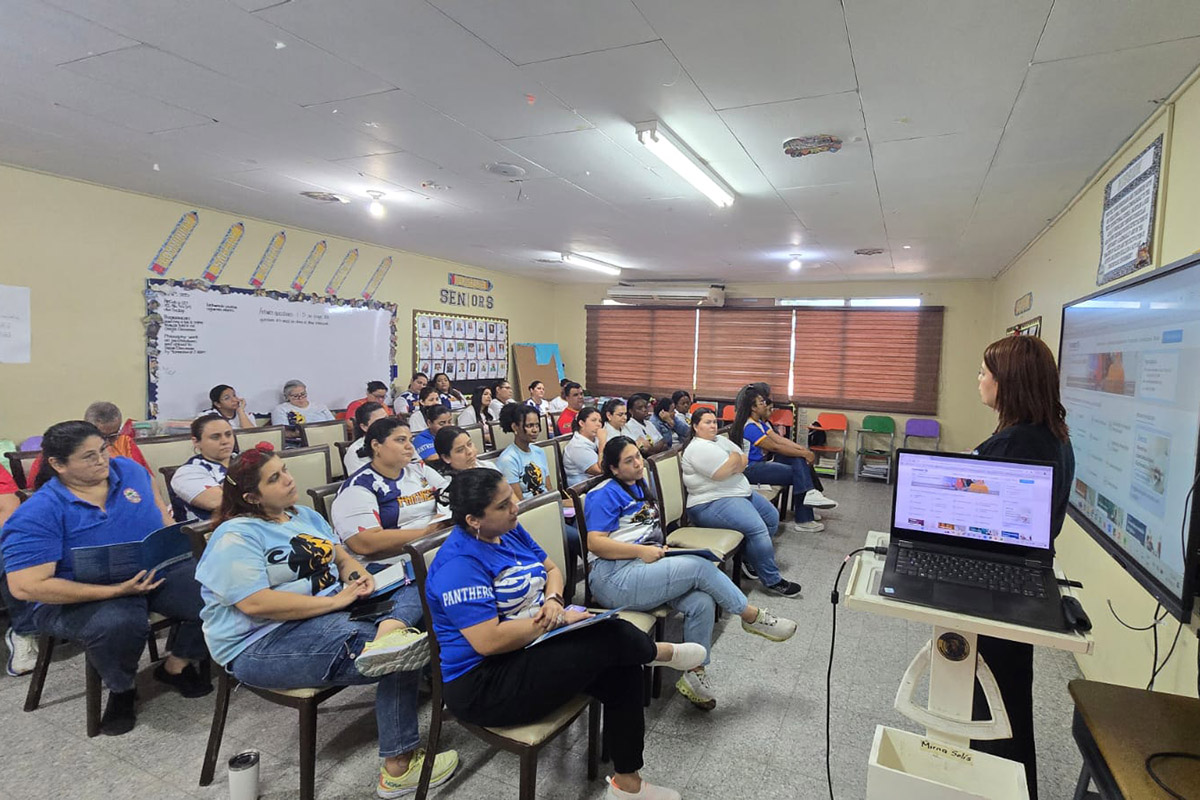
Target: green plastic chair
x: 875, y: 461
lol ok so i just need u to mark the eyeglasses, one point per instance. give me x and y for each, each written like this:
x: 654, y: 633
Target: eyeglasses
x: 298, y: 395
x: 94, y: 457
x: 110, y: 438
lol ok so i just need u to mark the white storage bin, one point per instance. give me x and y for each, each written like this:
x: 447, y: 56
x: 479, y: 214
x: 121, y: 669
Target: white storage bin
x: 907, y: 766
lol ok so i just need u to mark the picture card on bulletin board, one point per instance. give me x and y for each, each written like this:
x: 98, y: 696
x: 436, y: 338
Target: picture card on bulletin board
x: 472, y: 350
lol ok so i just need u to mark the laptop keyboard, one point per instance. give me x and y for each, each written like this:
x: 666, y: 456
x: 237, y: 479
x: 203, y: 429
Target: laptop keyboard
x: 996, y: 576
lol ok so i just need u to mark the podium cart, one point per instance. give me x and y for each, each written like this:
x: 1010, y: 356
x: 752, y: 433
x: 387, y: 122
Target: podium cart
x: 941, y: 764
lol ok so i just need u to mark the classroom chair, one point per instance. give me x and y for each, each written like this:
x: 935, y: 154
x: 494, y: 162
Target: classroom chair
x: 322, y: 498
x: 830, y: 454
x: 17, y: 461
x: 500, y: 438
x: 309, y: 466
x: 178, y: 508
x: 784, y: 418
x: 247, y: 438
x: 326, y: 434
x: 476, y: 433
x: 871, y: 458
x: 525, y: 741
x: 166, y: 451
x: 728, y: 413
x: 923, y: 429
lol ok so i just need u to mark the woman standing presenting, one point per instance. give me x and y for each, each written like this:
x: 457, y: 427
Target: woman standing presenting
x: 1019, y: 380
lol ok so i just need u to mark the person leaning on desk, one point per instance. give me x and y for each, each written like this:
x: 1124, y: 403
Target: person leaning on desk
x: 1019, y: 380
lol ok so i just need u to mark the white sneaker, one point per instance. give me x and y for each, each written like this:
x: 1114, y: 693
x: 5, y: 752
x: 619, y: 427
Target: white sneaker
x: 22, y: 653
x: 695, y: 686
x: 648, y: 792
x: 684, y: 656
x: 769, y: 626
x: 808, y: 527
x: 816, y: 517
x: 815, y: 499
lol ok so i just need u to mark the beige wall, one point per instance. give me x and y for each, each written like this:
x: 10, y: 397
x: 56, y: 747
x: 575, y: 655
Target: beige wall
x: 84, y: 251
x: 965, y: 422
x: 1059, y: 267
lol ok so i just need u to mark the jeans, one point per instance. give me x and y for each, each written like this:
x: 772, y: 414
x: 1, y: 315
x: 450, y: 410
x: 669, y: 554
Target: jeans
x: 603, y: 661
x: 755, y: 518
x: 785, y: 471
x: 114, y: 632
x: 320, y: 651
x: 20, y: 613
x: 691, y: 585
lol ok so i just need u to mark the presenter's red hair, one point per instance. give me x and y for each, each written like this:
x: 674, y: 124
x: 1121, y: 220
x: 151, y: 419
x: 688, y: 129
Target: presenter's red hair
x: 1026, y: 384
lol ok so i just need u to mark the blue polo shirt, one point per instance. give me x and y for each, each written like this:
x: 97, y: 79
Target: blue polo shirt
x: 423, y: 442
x: 46, y: 527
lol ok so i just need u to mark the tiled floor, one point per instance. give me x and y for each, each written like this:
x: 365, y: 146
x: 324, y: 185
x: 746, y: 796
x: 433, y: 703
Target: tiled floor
x: 764, y: 740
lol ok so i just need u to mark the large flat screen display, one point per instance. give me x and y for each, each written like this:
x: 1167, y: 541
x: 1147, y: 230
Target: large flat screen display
x: 1129, y: 361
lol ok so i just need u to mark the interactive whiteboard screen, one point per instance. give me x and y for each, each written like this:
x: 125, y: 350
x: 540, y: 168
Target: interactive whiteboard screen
x: 198, y: 337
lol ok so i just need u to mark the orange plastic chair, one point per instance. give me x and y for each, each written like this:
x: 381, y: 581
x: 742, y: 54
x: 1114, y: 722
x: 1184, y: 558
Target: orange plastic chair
x: 728, y: 413
x: 782, y: 417
x: 830, y: 455
x: 696, y: 406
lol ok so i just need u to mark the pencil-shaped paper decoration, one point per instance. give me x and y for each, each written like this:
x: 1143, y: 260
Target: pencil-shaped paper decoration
x: 309, y: 266
x: 339, y: 277
x: 267, y: 262
x: 174, y: 243
x: 220, y: 257
x: 380, y: 273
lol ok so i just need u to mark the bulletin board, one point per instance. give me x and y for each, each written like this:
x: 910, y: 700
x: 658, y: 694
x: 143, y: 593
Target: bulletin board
x: 473, y: 351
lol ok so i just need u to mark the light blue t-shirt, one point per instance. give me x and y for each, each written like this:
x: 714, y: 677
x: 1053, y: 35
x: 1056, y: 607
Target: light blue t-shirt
x: 754, y: 433
x: 472, y: 581
x: 529, y: 469
x: 247, y: 555
x: 625, y: 514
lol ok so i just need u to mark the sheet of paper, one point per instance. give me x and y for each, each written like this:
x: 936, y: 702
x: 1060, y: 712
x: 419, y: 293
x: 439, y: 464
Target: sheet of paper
x: 15, y: 329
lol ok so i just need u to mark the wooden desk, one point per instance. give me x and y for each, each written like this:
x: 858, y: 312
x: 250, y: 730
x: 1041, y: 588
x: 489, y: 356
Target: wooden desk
x: 1122, y: 726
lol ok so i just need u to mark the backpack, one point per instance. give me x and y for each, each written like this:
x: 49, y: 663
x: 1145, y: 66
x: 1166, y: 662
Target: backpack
x: 816, y: 437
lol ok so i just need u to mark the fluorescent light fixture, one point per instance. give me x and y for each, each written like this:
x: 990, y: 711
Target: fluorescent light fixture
x: 576, y: 260
x: 1109, y: 304
x: 819, y: 302
x: 660, y: 141
x: 885, y: 302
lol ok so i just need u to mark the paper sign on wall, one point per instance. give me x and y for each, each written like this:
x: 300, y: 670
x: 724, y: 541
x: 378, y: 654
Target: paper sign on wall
x: 15, y: 329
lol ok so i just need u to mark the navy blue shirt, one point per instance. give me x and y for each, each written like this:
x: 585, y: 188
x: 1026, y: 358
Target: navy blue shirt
x: 45, y: 528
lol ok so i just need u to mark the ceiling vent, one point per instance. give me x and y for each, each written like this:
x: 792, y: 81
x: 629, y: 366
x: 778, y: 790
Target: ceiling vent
x: 673, y: 295
x: 506, y: 170
x: 868, y: 251
x: 325, y: 197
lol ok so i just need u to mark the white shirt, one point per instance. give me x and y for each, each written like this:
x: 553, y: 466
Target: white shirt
x: 193, y: 477
x: 579, y: 454
x: 234, y: 423
x: 556, y: 405
x: 416, y: 421
x: 542, y: 407
x: 611, y: 431
x: 357, y: 506
x: 467, y: 417
x: 636, y: 430
x: 353, y: 462
x: 700, y: 460
x: 292, y: 415
x: 495, y: 406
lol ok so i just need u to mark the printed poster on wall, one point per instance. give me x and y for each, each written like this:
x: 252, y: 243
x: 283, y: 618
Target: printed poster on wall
x: 1127, y: 225
x: 16, y: 331
x: 466, y: 348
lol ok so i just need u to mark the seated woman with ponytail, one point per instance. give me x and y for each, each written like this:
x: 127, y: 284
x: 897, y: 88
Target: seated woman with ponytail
x: 197, y: 482
x: 581, y: 455
x: 86, y: 499
x: 276, y: 586
x: 719, y: 496
x: 457, y: 453
x: 391, y: 501
x: 491, y: 591
x: 626, y: 549
x: 364, y: 415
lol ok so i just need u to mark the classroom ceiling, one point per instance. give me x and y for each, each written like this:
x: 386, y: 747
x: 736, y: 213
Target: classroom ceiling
x: 967, y: 124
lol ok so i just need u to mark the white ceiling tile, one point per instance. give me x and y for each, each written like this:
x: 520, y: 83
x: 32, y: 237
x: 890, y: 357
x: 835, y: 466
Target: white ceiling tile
x: 230, y: 41
x: 524, y: 31
x: 836, y: 207
x: 1085, y: 27
x: 930, y: 67
x: 53, y: 36
x: 1082, y: 109
x: 763, y: 129
x: 417, y: 48
x: 769, y: 51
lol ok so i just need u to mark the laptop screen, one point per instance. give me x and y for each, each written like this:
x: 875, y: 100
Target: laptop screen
x: 971, y: 498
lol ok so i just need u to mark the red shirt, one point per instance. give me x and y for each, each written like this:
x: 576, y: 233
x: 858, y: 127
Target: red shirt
x: 565, y: 419
x: 7, y: 484
x: 350, y: 409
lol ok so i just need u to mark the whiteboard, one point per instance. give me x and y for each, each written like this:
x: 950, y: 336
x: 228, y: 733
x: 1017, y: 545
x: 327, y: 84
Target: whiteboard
x: 198, y: 336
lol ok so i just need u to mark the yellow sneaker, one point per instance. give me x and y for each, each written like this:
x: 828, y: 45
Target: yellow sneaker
x: 402, y: 650
x: 444, y: 765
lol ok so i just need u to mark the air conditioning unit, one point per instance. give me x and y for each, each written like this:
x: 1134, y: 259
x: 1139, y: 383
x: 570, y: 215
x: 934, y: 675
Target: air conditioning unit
x: 670, y: 295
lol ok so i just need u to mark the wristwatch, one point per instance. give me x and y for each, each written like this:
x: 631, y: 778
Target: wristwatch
x: 556, y: 598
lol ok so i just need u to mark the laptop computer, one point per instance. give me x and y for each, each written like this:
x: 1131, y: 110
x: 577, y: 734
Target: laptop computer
x: 971, y: 534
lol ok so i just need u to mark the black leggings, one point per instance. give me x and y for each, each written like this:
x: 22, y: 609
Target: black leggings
x: 604, y: 661
x: 1012, y: 664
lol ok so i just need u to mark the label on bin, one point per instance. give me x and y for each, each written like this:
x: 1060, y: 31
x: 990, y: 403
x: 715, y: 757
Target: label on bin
x: 946, y: 751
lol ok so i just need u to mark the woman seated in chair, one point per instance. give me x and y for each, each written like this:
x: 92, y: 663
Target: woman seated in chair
x: 478, y: 411
x: 626, y: 549
x: 426, y: 399
x: 450, y: 397
x: 197, y: 482
x: 664, y: 421
x: 377, y: 392
x: 86, y: 499
x: 296, y: 409
x: 775, y: 460
x: 537, y: 397
x: 614, y: 415
x: 491, y: 591
x: 391, y: 501
x: 229, y: 406
x: 364, y: 415
x: 457, y: 453
x: 719, y: 496
x: 436, y: 418
x: 581, y: 456
x: 406, y: 401
x: 276, y: 587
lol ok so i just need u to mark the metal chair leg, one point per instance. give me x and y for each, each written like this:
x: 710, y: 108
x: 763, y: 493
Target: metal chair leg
x: 308, y: 750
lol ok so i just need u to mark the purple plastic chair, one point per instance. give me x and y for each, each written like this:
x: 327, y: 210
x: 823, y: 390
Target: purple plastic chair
x: 923, y: 429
